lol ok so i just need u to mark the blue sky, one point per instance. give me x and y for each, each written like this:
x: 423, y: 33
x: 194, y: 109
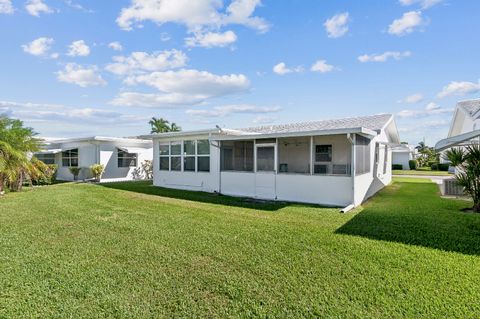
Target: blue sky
x: 78, y: 67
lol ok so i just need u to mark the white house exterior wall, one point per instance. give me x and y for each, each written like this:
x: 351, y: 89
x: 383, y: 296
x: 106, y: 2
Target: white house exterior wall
x: 402, y: 158
x: 86, y: 157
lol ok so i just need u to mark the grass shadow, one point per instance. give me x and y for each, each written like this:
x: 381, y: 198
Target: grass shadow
x: 146, y: 187
x: 412, y: 212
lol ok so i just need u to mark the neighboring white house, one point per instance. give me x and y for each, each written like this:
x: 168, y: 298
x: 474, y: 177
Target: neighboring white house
x: 402, y: 154
x: 465, y: 126
x: 120, y: 156
x: 334, y: 162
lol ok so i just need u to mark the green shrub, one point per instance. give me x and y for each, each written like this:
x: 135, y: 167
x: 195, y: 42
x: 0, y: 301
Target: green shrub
x: 75, y: 172
x: 97, y: 171
x: 434, y: 166
x: 413, y: 164
x: 443, y: 167
x: 430, y: 163
x: 397, y: 166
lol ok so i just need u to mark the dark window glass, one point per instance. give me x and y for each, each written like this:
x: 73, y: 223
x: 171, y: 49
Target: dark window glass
x: 70, y: 158
x: 189, y: 163
x: 126, y: 159
x: 164, y: 149
x: 203, y: 147
x: 323, y: 153
x: 320, y: 169
x: 164, y: 163
x: 176, y: 148
x: 204, y: 163
x: 189, y: 148
x: 46, y: 158
x: 176, y: 163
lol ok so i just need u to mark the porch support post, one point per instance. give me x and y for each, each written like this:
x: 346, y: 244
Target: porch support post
x: 275, y: 161
x: 254, y: 155
x: 311, y: 155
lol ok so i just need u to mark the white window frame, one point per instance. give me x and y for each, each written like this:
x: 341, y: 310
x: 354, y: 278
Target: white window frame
x: 182, y: 155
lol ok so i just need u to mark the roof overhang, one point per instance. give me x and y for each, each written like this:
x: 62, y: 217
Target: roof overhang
x: 180, y: 134
x: 456, y: 140
x: 249, y: 135
x: 100, y: 139
x: 132, y: 150
x: 52, y: 151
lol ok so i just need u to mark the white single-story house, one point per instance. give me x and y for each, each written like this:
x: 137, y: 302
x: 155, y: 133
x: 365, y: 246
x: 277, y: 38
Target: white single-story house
x: 338, y: 162
x: 465, y: 126
x: 402, y: 155
x: 119, y: 156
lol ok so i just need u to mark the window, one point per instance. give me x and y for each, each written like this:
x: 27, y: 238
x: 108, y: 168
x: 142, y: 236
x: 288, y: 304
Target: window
x: 203, y: 156
x: 70, y: 158
x: 362, y: 154
x: 164, y: 151
x: 126, y: 159
x: 187, y: 156
x: 323, y: 153
x: 320, y: 169
x: 176, y: 156
x: 46, y: 158
x: 236, y: 156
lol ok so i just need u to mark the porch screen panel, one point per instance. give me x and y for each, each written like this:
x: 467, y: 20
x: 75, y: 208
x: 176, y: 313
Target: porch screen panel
x: 237, y: 156
x: 362, y: 156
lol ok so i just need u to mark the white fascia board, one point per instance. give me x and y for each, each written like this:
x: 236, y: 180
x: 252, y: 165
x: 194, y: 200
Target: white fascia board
x: 179, y: 134
x: 101, y: 139
x: 455, y: 140
x: 358, y: 130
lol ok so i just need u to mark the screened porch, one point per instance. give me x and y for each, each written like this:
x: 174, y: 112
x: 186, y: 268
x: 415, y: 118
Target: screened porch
x: 306, y: 155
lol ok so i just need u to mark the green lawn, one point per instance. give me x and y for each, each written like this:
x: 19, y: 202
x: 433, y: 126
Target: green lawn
x: 130, y: 250
x: 422, y: 172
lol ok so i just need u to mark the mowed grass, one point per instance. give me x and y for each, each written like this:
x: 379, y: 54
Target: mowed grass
x: 422, y: 172
x: 131, y: 250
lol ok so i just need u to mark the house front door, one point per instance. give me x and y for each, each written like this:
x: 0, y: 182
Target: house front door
x: 265, y: 171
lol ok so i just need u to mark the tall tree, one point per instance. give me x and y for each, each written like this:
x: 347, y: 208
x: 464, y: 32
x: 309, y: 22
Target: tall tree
x: 17, y: 142
x: 159, y: 125
x: 175, y: 128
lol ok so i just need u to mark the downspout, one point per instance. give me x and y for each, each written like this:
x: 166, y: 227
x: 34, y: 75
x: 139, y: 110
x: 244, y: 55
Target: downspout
x: 351, y: 139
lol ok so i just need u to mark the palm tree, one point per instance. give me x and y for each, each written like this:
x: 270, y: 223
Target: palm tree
x: 16, y: 142
x: 174, y: 127
x: 468, y: 176
x: 421, y: 147
x: 159, y: 125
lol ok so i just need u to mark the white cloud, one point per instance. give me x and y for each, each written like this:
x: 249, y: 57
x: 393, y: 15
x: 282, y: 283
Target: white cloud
x: 55, y: 113
x: 459, y: 88
x: 211, y: 39
x: 281, y: 69
x: 77, y: 6
x: 411, y: 99
x: 193, y: 82
x: 116, y: 46
x: 78, y: 48
x: 40, y: 47
x: 35, y: 7
x: 430, y: 109
x: 406, y: 24
x: 322, y: 67
x: 6, y: 7
x: 142, y: 61
x: 226, y: 110
x: 432, y: 106
x: 424, y: 4
x: 180, y: 88
x: 135, y: 99
x: 164, y: 37
x: 195, y: 15
x: 384, y: 56
x: 337, y: 26
x: 81, y: 76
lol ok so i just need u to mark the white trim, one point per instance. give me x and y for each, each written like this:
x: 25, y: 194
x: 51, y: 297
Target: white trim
x: 455, y: 140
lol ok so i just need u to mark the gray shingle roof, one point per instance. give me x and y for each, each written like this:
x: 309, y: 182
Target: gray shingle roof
x: 471, y: 106
x: 374, y: 122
